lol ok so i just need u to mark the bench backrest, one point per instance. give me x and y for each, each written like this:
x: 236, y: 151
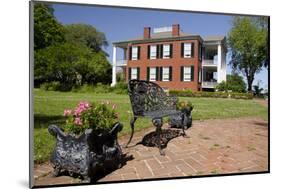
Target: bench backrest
x: 146, y: 96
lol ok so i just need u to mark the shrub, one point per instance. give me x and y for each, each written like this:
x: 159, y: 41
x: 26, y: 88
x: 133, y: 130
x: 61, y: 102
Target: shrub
x: 184, y: 104
x: 233, y: 83
x: 185, y: 93
x: 90, y: 116
x: 242, y: 95
x: 101, y: 88
x: 189, y: 93
x: 51, y: 86
x: 120, y: 88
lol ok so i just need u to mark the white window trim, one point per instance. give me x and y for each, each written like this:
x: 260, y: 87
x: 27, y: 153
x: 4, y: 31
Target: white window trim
x: 134, y: 73
x: 187, y: 73
x: 134, y: 53
x: 152, y: 74
x: 153, y: 54
x: 165, y: 74
x: 166, y: 51
x: 187, y: 50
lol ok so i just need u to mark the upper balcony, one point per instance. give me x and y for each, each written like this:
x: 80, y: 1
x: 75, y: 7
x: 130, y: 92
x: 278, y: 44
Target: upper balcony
x: 121, y: 62
x: 210, y: 62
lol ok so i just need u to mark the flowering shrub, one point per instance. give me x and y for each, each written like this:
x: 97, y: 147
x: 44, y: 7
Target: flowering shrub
x: 184, y: 104
x: 99, y: 117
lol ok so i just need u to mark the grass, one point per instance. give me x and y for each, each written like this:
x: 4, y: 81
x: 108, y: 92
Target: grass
x: 49, y: 107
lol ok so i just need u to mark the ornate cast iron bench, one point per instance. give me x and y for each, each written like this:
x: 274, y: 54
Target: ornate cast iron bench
x: 149, y: 100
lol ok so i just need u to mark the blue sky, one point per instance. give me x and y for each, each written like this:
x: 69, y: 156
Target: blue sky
x: 122, y: 23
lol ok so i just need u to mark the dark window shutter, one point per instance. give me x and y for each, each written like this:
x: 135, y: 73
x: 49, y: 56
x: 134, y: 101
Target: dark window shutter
x: 181, y: 73
x: 192, y: 73
x: 157, y: 73
x: 161, y: 51
x: 182, y: 49
x: 129, y: 75
x: 170, y: 73
x: 192, y: 49
x: 147, y: 73
x: 130, y: 53
x: 139, y: 48
x: 171, y: 50
x: 148, y: 51
x: 138, y: 73
x: 160, y: 74
x: 157, y: 51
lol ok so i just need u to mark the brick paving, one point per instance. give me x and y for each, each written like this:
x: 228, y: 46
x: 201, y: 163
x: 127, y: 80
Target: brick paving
x: 213, y: 147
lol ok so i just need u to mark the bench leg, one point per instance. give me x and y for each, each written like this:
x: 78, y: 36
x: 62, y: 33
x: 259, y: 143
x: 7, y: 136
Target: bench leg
x: 158, y: 122
x: 132, y: 123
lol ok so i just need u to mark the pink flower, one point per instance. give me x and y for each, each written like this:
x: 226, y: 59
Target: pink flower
x: 78, y: 121
x: 67, y: 112
x: 82, y: 106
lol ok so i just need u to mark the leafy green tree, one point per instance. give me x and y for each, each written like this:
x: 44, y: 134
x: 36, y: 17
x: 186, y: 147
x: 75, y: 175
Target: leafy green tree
x: 71, y: 64
x: 56, y: 62
x: 248, y: 43
x: 47, y: 30
x: 234, y: 83
x: 87, y: 35
x: 94, y: 70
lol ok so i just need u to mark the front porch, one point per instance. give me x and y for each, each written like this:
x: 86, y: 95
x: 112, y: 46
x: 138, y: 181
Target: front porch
x: 119, y: 64
x: 209, y: 77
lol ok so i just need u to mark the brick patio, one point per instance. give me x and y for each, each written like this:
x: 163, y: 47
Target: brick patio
x: 213, y: 147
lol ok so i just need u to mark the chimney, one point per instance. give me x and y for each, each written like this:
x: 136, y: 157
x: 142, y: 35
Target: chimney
x: 146, y: 33
x: 176, y: 30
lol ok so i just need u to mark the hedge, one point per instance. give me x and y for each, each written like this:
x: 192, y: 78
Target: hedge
x: 189, y: 93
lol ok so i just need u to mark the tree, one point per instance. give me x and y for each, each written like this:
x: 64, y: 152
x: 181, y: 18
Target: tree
x: 94, y: 70
x: 71, y: 64
x: 234, y: 83
x: 56, y: 62
x: 47, y: 30
x: 86, y: 35
x: 248, y: 43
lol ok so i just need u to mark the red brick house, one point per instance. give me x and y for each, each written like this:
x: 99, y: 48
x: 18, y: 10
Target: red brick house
x: 173, y: 59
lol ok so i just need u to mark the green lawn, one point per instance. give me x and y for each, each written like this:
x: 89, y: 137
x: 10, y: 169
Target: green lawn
x: 49, y: 107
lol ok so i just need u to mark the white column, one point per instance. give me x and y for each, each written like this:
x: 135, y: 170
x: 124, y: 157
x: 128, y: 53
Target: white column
x: 219, y: 64
x: 114, y: 67
x: 223, y: 64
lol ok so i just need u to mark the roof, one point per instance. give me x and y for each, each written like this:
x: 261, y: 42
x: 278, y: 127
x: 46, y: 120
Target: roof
x: 157, y: 37
x: 213, y: 38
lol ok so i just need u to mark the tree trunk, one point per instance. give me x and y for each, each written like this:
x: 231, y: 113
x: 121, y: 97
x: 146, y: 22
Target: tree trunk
x: 250, y: 83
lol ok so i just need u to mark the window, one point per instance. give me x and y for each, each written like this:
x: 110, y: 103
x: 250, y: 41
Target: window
x: 135, y: 53
x: 166, y: 51
x: 187, y: 50
x: 186, y: 73
x: 134, y: 73
x: 152, y: 74
x: 153, y: 52
x: 165, y: 74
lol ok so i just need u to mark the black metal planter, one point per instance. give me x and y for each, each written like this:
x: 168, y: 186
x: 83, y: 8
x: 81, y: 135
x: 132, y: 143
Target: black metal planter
x: 90, y: 155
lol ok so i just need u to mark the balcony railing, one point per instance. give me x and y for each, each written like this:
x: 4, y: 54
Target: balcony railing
x: 208, y: 62
x: 209, y: 84
x: 121, y: 62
